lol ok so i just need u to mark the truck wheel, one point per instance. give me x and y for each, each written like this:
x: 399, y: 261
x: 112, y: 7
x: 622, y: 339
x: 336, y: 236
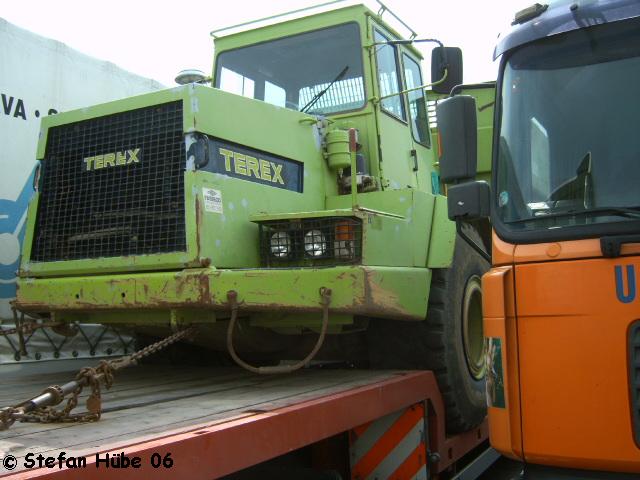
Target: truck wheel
x: 449, y: 341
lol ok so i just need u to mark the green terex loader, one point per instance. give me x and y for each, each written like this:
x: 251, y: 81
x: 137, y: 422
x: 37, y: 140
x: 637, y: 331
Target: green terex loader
x: 294, y: 211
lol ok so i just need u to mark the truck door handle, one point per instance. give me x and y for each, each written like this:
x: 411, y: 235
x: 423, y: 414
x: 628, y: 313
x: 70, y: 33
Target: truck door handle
x: 414, y: 154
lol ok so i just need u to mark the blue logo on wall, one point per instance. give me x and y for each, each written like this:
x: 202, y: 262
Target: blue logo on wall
x: 12, y: 227
x: 626, y: 294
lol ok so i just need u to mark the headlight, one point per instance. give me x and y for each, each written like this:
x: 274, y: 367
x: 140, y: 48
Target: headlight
x: 280, y: 244
x: 344, y: 245
x: 310, y: 242
x: 315, y: 243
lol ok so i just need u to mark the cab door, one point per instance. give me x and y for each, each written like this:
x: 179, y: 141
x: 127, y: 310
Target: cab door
x: 422, y: 154
x: 396, y: 160
x: 578, y: 320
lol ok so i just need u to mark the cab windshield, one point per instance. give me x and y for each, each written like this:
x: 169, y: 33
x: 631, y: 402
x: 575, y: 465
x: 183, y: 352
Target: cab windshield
x: 569, y: 141
x: 317, y: 72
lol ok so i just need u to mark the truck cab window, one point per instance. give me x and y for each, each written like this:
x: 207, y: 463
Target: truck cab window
x: 416, y: 101
x: 274, y: 94
x: 233, y: 82
x: 388, y: 77
x: 556, y: 158
x: 295, y: 71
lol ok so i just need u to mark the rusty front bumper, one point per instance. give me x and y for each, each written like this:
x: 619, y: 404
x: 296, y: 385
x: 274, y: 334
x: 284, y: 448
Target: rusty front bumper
x: 389, y: 292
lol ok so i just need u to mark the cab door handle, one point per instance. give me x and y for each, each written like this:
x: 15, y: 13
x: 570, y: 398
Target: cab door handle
x: 414, y: 154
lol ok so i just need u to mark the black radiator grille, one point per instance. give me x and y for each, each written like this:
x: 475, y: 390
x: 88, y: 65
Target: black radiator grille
x: 634, y: 376
x: 113, y: 186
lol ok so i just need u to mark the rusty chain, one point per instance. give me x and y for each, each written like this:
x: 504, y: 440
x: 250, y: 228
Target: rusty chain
x: 150, y: 349
x: 7, y: 417
x: 87, y: 376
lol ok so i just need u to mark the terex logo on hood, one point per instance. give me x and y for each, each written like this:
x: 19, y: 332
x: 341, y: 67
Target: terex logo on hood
x: 246, y: 163
x: 113, y: 159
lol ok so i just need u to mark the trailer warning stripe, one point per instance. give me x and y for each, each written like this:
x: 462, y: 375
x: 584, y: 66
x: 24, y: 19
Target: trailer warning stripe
x: 391, y: 447
x: 415, y: 466
x: 359, y: 431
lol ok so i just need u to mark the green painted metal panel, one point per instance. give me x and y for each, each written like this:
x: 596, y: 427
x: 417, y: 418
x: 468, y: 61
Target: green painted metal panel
x: 443, y: 236
x: 485, y: 101
x: 400, y: 241
x: 376, y: 291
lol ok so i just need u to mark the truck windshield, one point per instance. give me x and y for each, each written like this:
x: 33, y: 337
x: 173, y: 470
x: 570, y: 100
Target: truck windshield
x: 319, y: 72
x: 569, y: 141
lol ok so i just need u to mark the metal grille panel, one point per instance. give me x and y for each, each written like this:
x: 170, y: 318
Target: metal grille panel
x: 634, y: 376
x: 113, y: 186
x: 342, y: 95
x: 311, y: 242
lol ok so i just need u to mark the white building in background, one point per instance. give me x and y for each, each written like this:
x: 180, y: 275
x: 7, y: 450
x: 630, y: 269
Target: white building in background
x: 38, y: 77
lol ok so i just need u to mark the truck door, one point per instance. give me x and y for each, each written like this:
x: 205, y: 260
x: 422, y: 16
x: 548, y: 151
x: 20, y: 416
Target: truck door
x: 422, y: 154
x: 396, y: 162
x: 579, y: 355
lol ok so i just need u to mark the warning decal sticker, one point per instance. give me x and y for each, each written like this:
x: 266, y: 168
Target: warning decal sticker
x: 212, y: 200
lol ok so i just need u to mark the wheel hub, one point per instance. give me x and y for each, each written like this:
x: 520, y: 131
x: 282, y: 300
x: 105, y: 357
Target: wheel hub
x: 472, y: 332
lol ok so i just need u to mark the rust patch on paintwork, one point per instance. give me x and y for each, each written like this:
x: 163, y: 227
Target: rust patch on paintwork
x: 377, y: 299
x: 344, y: 275
x: 181, y: 282
x: 198, y: 224
x: 191, y: 283
x: 197, y: 285
x: 205, y: 292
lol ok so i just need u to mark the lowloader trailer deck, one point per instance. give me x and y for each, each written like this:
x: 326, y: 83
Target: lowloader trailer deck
x: 204, y: 422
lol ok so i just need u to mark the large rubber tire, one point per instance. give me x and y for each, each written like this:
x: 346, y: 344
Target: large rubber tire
x: 439, y: 343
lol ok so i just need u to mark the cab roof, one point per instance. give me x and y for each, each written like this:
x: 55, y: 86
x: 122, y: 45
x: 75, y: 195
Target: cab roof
x: 250, y: 36
x: 560, y: 16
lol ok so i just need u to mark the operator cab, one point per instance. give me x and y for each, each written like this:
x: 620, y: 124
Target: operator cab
x: 350, y: 65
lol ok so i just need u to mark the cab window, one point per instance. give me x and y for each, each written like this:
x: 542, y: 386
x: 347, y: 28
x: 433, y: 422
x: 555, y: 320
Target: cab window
x: 318, y: 72
x: 388, y: 77
x: 416, y: 101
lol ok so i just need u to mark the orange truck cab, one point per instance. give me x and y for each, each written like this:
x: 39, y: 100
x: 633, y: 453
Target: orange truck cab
x: 562, y: 300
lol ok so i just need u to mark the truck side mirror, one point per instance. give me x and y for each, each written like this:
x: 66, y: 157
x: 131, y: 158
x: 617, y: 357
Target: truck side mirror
x: 469, y: 201
x: 457, y: 124
x: 449, y: 59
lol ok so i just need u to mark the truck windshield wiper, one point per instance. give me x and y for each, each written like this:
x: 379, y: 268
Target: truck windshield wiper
x: 631, y: 212
x: 326, y: 89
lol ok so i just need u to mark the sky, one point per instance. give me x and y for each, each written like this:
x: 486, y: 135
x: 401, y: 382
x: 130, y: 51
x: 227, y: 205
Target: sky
x: 157, y: 39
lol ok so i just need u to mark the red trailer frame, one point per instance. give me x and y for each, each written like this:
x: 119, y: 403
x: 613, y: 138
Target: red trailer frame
x: 214, y: 449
